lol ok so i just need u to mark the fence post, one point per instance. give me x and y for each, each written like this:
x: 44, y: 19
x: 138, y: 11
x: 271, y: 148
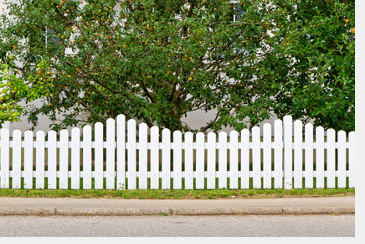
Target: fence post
x: 4, y: 165
x: 110, y: 154
x: 278, y: 152
x: 298, y: 155
x: 288, y: 154
x: 131, y: 147
x: 352, y: 158
x: 121, y: 152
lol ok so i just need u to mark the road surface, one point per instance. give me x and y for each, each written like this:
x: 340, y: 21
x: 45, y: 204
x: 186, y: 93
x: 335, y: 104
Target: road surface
x: 174, y: 226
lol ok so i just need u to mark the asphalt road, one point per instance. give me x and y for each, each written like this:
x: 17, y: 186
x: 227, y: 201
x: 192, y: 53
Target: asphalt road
x: 195, y: 226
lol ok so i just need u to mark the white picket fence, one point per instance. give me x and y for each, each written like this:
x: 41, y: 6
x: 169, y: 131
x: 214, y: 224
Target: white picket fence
x: 202, y: 162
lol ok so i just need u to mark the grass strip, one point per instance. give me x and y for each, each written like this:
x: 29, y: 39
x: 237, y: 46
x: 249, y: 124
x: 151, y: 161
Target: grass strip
x: 179, y: 194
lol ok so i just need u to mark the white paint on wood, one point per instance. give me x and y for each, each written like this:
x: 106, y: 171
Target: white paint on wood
x: 110, y: 154
x: 233, y: 160
x: 222, y: 164
x: 177, y: 160
x: 267, y: 156
x: 142, y: 159
x: 121, y: 152
x: 17, y: 156
x: 188, y: 142
x: 131, y: 159
x: 211, y: 160
x: 28, y: 160
x: 352, y: 158
x: 309, y: 156
x: 278, y: 152
x: 86, y: 157
x: 245, y: 159
x: 40, y: 146
x: 256, y: 157
x: 200, y: 160
x: 320, y: 157
x: 63, y: 172
x: 166, y: 159
x: 52, y: 159
x: 341, y: 161
x: 331, y: 163
x: 99, y: 156
x: 298, y: 154
x: 288, y: 145
x: 75, y: 158
x: 155, y: 158
x: 4, y: 165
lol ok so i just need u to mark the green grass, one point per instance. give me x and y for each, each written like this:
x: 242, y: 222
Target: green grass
x: 178, y: 194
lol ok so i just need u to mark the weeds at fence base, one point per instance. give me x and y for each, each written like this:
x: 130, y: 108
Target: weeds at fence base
x: 179, y: 194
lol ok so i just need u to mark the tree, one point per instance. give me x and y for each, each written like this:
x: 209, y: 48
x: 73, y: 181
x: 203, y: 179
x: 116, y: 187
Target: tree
x: 13, y: 90
x: 159, y: 60
x: 314, y: 62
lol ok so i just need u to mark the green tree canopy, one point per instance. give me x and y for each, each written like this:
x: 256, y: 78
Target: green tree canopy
x: 159, y: 60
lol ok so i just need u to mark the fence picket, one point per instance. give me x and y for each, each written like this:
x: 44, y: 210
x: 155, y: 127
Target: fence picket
x: 131, y: 160
x: 52, y: 159
x: 278, y: 152
x: 222, y: 166
x: 309, y: 156
x: 256, y: 157
x: 245, y: 159
x: 267, y: 156
x: 17, y: 154
x: 4, y: 165
x: 39, y: 145
x: 211, y: 160
x: 320, y: 157
x: 288, y: 141
x: 28, y: 160
x: 177, y: 163
x: 121, y: 152
x: 189, y: 170
x: 75, y: 158
x: 298, y: 154
x: 110, y: 154
x: 166, y: 150
x: 63, y: 159
x: 233, y: 158
x: 331, y: 163
x: 200, y: 160
x: 154, y: 158
x: 86, y: 157
x: 142, y: 162
x: 352, y: 158
x: 341, y: 161
x: 99, y: 156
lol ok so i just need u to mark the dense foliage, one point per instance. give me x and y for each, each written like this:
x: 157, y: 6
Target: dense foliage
x: 159, y: 60
x: 13, y: 90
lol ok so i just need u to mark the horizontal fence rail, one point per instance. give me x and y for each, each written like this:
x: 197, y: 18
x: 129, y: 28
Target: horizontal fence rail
x: 122, y: 156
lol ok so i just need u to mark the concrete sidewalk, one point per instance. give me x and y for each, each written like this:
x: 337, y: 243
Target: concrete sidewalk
x: 129, y: 207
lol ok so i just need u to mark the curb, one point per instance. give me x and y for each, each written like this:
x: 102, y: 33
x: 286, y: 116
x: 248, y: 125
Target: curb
x: 171, y: 211
x: 125, y: 207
